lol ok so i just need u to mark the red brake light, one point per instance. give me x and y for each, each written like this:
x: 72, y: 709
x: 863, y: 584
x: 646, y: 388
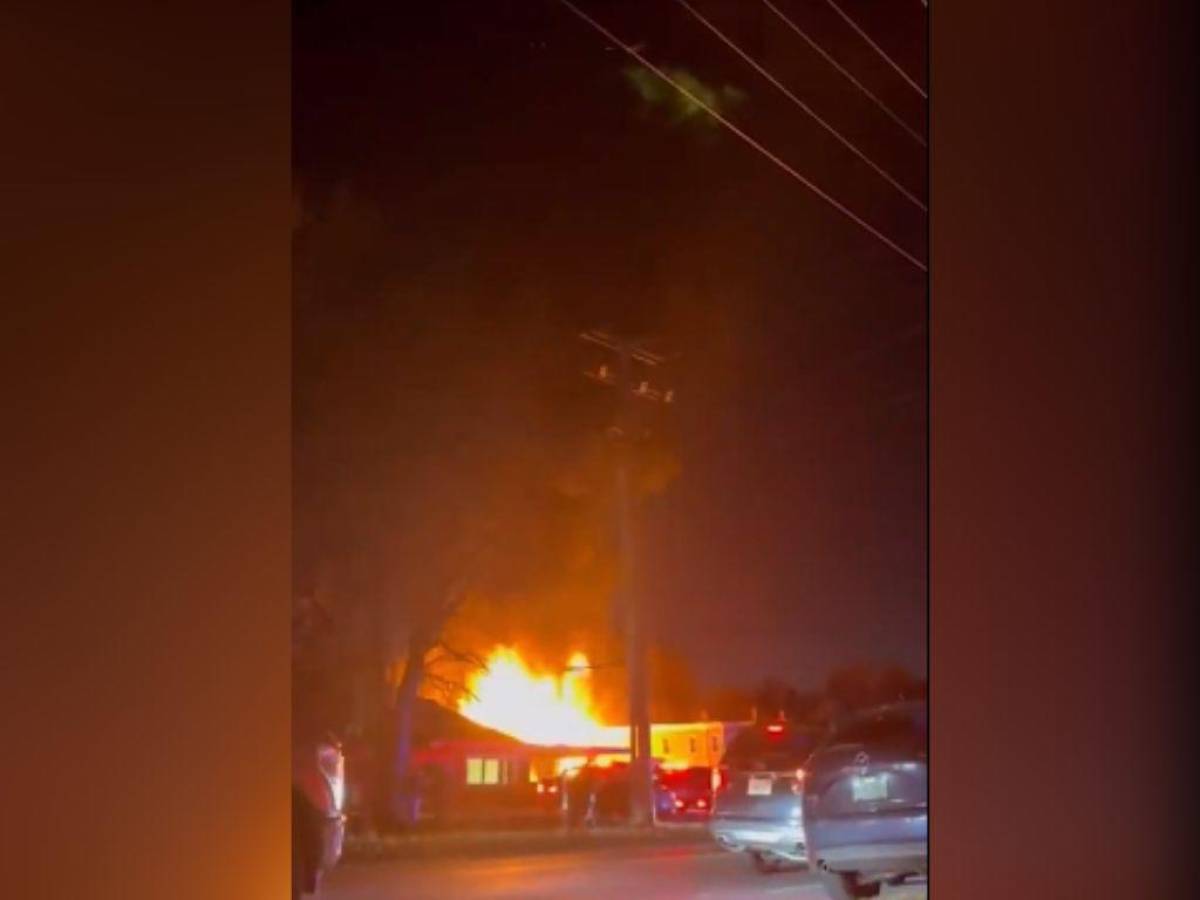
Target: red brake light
x: 775, y: 728
x: 701, y: 803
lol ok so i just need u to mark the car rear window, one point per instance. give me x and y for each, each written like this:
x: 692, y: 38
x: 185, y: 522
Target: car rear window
x: 690, y: 777
x: 758, y: 749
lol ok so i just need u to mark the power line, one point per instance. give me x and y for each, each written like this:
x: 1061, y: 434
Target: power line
x: 874, y: 46
x: 804, y: 106
x: 846, y: 73
x: 840, y: 207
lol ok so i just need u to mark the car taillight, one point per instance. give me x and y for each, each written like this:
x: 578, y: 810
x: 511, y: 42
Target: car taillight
x: 798, y: 781
x: 720, y: 779
x: 701, y: 803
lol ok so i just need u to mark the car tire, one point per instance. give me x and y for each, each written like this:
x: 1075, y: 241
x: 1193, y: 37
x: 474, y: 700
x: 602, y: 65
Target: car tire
x: 846, y: 886
x: 764, y: 864
x: 297, y: 874
x: 305, y: 848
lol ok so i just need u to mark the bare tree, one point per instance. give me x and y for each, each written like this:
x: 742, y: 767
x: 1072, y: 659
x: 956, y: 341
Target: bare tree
x: 420, y: 668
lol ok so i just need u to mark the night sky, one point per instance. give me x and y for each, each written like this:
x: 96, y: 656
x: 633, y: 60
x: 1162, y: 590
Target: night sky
x: 477, y: 182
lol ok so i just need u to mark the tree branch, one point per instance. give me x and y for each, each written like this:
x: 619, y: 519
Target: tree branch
x: 449, y: 687
x: 453, y: 654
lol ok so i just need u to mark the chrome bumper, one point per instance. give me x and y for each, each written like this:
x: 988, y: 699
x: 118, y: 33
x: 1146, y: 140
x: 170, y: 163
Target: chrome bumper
x: 908, y: 856
x: 786, y: 839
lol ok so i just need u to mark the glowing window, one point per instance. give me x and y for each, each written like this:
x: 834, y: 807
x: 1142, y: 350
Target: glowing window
x: 474, y: 771
x: 483, y: 771
x: 491, y: 771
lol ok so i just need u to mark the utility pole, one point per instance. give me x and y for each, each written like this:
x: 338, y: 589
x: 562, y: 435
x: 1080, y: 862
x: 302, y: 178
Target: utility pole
x: 628, y: 353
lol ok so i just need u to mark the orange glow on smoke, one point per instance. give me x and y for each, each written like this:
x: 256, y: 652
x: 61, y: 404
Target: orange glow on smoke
x: 546, y: 709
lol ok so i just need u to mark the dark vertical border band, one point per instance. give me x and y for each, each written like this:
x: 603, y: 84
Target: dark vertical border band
x: 144, y: 196
x: 1063, y: 447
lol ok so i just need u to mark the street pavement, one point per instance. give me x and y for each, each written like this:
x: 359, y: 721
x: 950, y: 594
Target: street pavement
x: 699, y: 871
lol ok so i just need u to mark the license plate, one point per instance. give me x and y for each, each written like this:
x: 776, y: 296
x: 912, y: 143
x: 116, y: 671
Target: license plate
x: 869, y: 787
x: 759, y: 786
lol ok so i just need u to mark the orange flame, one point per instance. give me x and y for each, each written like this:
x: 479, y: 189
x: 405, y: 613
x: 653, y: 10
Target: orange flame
x: 538, y: 709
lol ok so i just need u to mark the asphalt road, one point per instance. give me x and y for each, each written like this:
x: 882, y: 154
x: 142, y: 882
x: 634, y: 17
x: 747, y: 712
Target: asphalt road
x: 630, y: 874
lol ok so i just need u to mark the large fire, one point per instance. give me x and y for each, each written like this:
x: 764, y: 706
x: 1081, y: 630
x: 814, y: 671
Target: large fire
x: 551, y: 710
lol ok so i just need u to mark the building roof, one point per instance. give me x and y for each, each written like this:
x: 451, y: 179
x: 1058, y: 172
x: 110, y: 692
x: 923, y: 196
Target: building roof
x: 433, y: 723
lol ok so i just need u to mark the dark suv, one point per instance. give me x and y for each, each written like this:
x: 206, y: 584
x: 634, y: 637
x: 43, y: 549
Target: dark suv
x: 757, y: 802
x: 684, y: 794
x: 866, y: 801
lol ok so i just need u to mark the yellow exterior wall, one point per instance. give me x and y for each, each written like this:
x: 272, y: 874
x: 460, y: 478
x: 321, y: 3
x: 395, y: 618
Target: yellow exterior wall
x: 685, y: 745
x: 674, y: 745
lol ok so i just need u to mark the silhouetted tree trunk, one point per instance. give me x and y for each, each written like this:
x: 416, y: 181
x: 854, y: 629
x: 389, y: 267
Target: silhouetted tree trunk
x: 425, y: 637
x: 403, y: 801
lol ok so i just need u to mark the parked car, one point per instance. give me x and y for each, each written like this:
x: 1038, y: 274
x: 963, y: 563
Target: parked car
x: 600, y: 794
x: 684, y: 794
x: 318, y: 819
x: 548, y: 793
x: 866, y: 801
x: 758, y: 795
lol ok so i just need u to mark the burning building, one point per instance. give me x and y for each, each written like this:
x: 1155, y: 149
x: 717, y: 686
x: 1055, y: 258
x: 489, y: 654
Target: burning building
x: 515, y: 731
